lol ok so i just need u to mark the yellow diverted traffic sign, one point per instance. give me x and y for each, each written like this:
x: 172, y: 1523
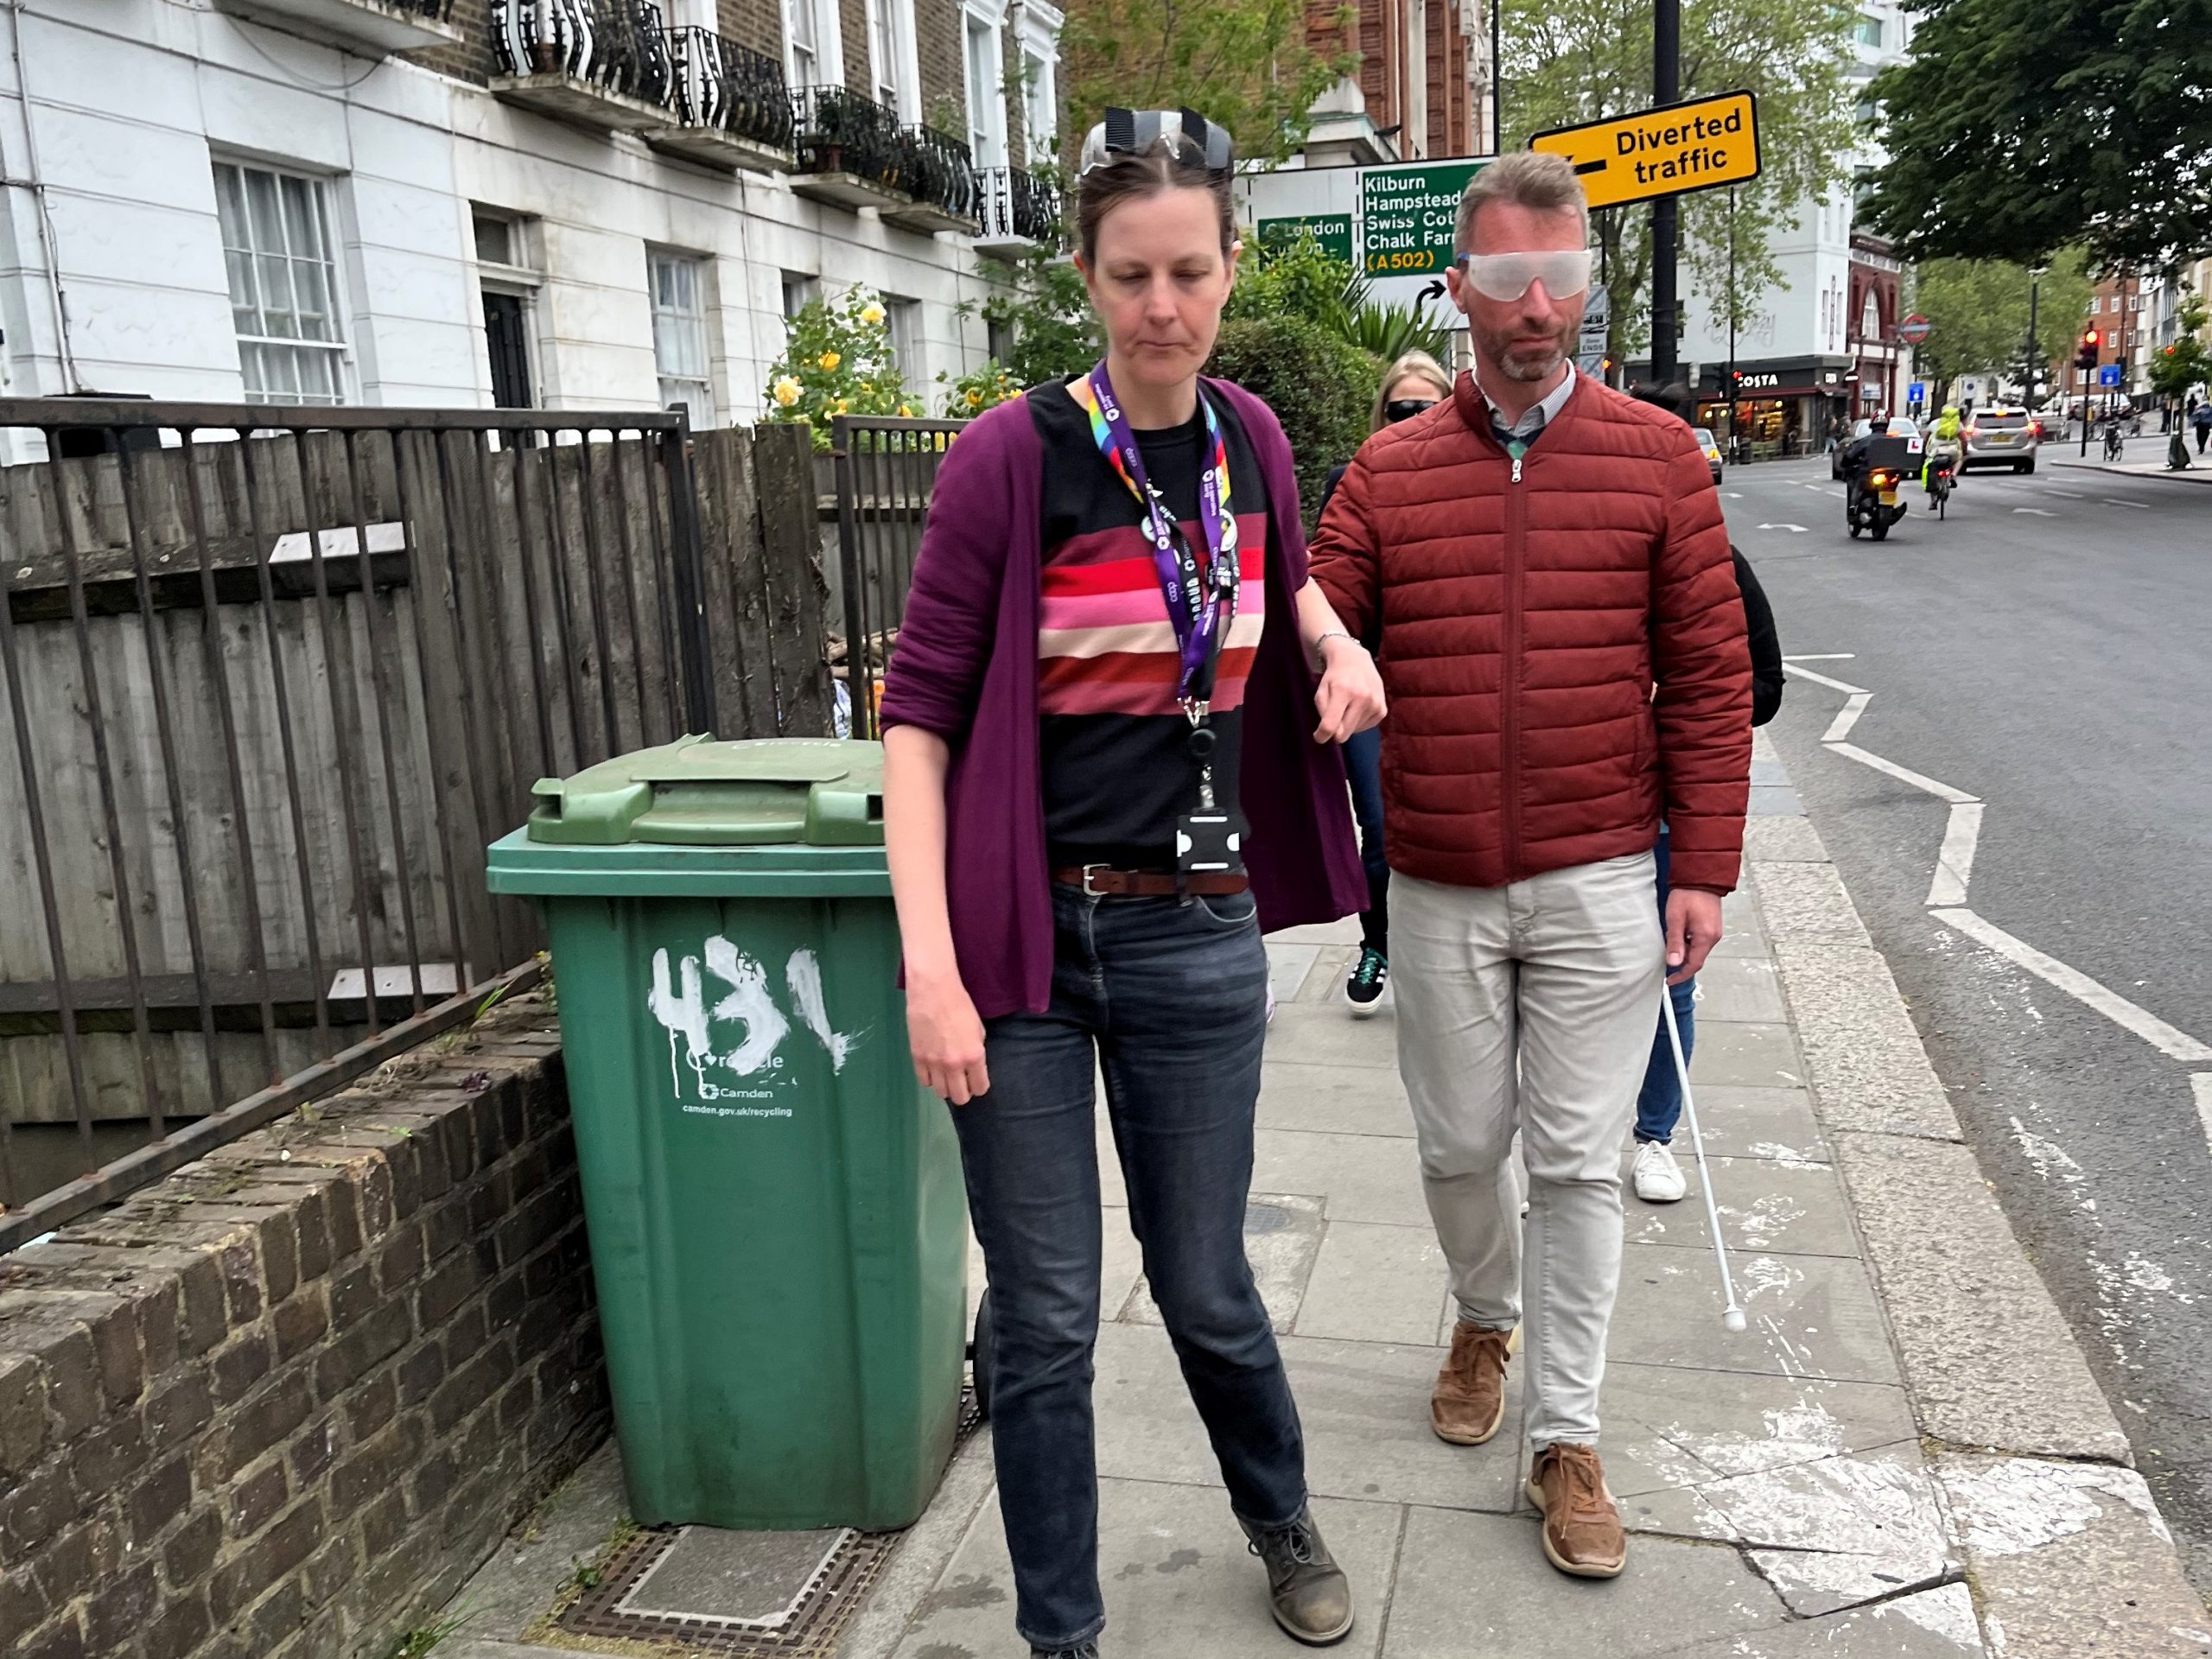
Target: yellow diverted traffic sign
x: 1662, y: 152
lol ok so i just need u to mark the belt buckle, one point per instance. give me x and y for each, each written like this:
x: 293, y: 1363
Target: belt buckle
x: 1088, y: 889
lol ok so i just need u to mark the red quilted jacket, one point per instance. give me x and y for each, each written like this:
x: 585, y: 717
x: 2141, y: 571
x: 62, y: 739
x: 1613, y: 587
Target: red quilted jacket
x: 1526, y: 610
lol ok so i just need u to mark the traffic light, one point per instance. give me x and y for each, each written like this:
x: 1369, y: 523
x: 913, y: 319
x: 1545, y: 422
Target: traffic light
x: 2086, y: 359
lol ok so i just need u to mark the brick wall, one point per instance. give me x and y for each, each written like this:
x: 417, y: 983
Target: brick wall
x: 941, y: 45
x: 852, y: 31
x: 472, y: 59
x: 277, y: 1406
x: 756, y: 23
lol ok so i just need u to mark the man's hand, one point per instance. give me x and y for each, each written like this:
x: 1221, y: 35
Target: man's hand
x: 1693, y: 928
x: 946, y: 1037
x: 1350, y: 697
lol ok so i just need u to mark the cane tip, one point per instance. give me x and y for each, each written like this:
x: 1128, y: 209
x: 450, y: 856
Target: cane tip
x: 1733, y: 1319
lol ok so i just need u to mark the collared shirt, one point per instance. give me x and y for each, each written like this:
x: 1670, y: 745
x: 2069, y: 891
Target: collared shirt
x: 1521, y: 434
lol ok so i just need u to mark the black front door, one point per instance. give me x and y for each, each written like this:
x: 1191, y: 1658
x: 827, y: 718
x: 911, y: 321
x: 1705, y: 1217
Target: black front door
x: 505, y: 337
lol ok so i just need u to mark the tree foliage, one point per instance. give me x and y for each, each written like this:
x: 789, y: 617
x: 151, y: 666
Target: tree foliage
x: 1245, y: 65
x: 1978, y: 310
x: 1321, y: 388
x: 2182, y: 366
x: 1575, y: 60
x: 2023, y: 126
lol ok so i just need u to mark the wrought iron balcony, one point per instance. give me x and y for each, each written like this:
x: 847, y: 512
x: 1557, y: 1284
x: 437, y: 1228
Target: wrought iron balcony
x: 384, y: 26
x: 851, y: 149
x: 599, y: 63
x: 938, y: 174
x: 1019, y: 212
x: 733, y: 107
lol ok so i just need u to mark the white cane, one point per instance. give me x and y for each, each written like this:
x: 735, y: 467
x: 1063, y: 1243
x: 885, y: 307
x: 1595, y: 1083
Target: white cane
x: 1732, y: 1317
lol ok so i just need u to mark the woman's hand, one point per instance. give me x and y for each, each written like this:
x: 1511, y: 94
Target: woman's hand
x: 1349, y: 698
x: 946, y: 1037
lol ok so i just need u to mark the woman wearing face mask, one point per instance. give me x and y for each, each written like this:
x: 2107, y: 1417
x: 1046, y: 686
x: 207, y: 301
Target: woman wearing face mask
x: 1107, y: 765
x: 1412, y: 385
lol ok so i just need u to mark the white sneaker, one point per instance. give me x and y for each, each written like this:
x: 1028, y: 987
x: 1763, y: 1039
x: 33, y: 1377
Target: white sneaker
x: 1658, y: 1176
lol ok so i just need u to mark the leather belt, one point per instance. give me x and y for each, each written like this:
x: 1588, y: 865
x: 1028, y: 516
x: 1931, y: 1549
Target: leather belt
x: 1103, y: 882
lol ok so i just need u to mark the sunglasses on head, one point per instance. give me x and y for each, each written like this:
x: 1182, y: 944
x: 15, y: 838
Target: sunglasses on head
x: 1404, y: 408
x: 1134, y: 132
x: 1506, y: 276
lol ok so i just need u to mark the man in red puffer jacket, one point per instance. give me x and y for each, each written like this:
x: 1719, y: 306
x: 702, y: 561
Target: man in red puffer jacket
x: 1536, y: 555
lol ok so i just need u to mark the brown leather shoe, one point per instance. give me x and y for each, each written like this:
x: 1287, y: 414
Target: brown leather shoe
x: 1582, y: 1524
x: 1469, y: 1401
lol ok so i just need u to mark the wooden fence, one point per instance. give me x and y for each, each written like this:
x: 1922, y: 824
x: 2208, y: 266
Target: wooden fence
x: 275, y: 678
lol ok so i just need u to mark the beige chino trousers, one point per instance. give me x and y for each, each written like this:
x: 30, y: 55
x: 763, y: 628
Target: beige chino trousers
x: 1530, y: 1006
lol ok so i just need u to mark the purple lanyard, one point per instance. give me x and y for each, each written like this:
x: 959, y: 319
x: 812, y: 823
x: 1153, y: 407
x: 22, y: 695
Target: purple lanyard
x: 1200, y: 620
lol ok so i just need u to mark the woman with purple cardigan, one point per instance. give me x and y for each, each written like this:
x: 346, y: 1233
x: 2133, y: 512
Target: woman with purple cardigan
x: 1107, y: 768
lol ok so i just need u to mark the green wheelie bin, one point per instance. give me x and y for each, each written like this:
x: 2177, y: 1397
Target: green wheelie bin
x: 778, y: 1223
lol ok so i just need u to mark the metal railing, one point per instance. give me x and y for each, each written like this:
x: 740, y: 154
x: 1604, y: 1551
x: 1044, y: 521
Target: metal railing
x: 720, y: 84
x: 842, y: 132
x: 886, y: 471
x: 1019, y: 206
x: 619, y: 45
x: 940, y: 171
x: 274, y: 676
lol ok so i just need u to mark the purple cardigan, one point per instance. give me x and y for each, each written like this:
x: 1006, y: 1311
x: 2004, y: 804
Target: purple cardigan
x: 966, y: 669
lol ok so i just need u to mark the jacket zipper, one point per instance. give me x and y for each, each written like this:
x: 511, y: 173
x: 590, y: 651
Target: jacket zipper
x: 1510, y: 712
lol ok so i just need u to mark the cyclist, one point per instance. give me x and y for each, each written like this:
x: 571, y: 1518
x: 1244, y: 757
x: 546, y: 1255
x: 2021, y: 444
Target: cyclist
x: 1944, y: 442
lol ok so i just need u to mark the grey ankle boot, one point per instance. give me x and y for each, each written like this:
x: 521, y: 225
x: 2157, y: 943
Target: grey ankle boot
x: 1310, y: 1597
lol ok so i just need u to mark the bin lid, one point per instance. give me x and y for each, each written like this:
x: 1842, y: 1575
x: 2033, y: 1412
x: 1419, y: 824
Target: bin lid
x: 697, y: 792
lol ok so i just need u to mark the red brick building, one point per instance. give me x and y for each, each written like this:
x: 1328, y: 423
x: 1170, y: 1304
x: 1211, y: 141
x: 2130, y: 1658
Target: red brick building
x: 1421, y: 88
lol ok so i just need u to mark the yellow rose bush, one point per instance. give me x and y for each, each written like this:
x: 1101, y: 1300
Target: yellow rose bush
x: 837, y: 361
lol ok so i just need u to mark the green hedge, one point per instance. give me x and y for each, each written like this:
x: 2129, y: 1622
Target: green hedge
x: 1321, y: 388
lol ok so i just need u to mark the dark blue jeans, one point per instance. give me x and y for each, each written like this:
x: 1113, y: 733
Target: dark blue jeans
x: 1659, y: 1105
x: 1169, y: 1001
x: 1363, y: 766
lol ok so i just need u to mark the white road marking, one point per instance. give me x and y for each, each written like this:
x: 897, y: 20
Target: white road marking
x: 2114, y: 501
x: 2175, y: 1044
x: 1733, y: 495
x: 1847, y: 717
x: 2201, y: 1084
x: 1904, y: 774
x: 1794, y: 528
x: 1954, y: 864
x: 1789, y: 667
x: 1821, y: 657
x: 2037, y: 512
x: 2072, y: 495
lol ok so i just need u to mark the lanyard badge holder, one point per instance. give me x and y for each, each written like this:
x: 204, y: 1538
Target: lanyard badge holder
x: 1201, y: 606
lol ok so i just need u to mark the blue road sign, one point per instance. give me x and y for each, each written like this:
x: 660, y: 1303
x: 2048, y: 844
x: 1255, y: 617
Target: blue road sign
x: 1917, y: 392
x: 2108, y: 375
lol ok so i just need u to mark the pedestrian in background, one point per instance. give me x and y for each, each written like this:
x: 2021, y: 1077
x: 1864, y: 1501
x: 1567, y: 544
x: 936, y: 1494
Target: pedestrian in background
x: 1109, y: 654
x: 1412, y: 385
x: 2201, y: 420
x: 1536, y: 553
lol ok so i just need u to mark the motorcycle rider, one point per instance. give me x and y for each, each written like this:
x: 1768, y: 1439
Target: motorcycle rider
x: 1943, y: 438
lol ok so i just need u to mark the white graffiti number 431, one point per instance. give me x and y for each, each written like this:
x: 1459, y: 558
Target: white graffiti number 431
x: 681, y: 1004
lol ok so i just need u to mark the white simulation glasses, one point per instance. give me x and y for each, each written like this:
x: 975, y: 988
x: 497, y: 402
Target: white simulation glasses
x: 1506, y: 276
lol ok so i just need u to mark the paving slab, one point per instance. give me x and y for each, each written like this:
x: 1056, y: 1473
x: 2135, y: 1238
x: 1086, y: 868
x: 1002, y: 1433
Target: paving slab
x: 1176, y: 1575
x: 1775, y: 800
x: 1932, y: 1624
x: 1316, y: 1033
x: 1325, y: 980
x: 1344, y: 931
x: 1767, y: 1205
x: 1287, y: 966
x: 1751, y: 1121
x: 1858, y: 1040
x: 2072, y: 1560
x: 1375, y: 1283
x: 1990, y: 1361
x: 1668, y: 1428
x: 1746, y: 1054
x: 1364, y: 1406
x: 1809, y: 1316
x: 1334, y: 1100
x: 1478, y: 1585
x: 1783, y: 841
x: 1738, y: 988
x: 1365, y: 1177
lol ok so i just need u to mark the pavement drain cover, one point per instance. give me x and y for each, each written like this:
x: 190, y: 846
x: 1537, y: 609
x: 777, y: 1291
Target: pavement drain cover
x: 754, y: 1595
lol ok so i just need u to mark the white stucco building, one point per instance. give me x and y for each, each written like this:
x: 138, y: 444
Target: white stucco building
x: 361, y: 200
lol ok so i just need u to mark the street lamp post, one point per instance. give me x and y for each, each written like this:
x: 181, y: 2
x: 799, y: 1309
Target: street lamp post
x: 1666, y: 88
x: 1732, y: 319
x: 2028, y: 375
x: 1496, y: 81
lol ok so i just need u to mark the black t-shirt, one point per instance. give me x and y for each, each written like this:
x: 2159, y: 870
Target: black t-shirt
x: 1117, y: 768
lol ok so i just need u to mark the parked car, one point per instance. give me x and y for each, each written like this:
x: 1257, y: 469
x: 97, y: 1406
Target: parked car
x: 1896, y: 427
x: 1710, y: 445
x: 2002, y: 435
